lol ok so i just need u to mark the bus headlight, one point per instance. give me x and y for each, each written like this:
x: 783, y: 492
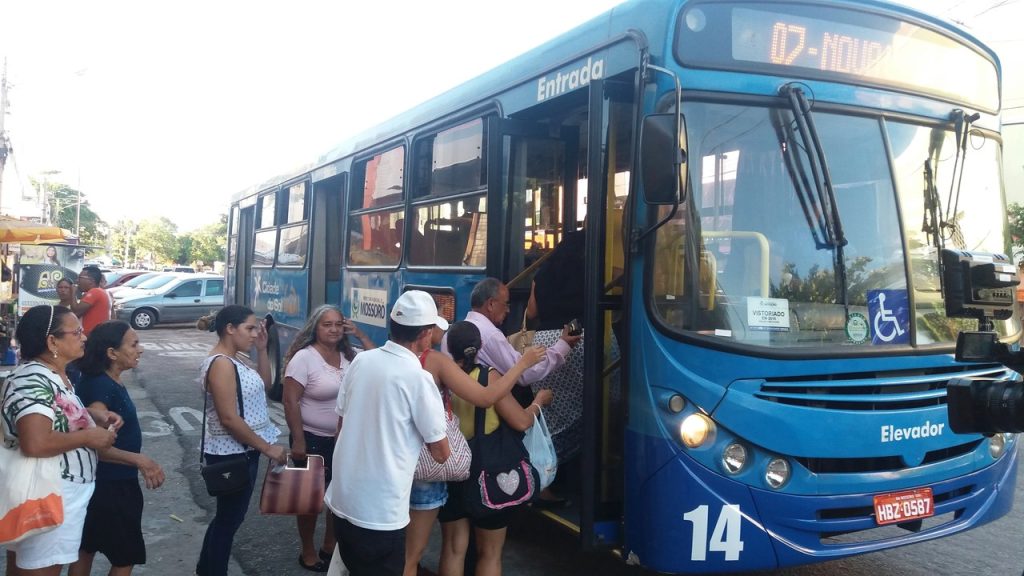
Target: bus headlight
x: 996, y: 445
x: 696, y: 430
x: 734, y: 458
x: 676, y: 403
x: 777, y: 473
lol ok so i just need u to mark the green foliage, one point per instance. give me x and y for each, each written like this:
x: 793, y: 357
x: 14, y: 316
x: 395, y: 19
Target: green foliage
x: 155, y: 241
x: 151, y: 241
x: 184, y: 249
x: 209, y: 243
x: 156, y: 238
x: 1015, y: 215
x: 67, y: 203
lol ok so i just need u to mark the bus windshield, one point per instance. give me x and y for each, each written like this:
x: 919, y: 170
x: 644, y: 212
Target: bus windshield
x: 769, y: 272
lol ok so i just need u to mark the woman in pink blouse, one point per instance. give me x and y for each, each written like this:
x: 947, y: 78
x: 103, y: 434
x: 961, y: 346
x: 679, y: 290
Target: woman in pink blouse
x: 314, y: 365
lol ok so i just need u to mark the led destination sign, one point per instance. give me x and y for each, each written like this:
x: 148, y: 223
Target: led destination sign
x: 764, y: 37
x: 825, y: 42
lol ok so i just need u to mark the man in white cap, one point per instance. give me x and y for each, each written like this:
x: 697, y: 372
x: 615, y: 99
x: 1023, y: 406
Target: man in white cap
x: 390, y: 407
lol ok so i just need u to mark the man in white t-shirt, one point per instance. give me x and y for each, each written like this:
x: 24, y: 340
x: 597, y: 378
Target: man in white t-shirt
x: 390, y: 407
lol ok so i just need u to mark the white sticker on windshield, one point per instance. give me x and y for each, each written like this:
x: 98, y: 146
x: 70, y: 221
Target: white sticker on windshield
x: 769, y: 314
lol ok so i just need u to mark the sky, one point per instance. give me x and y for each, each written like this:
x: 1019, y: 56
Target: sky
x: 170, y: 108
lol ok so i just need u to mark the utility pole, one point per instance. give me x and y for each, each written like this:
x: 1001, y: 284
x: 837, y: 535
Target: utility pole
x: 5, y: 142
x: 50, y: 213
x: 78, y: 205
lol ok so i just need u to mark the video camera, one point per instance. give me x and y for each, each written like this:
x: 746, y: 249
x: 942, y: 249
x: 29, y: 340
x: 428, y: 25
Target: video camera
x: 979, y: 285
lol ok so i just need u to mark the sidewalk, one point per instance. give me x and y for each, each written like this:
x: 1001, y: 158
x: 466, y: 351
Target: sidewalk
x: 172, y: 523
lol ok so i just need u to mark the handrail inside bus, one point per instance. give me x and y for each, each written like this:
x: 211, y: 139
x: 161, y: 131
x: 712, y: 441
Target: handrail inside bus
x: 529, y: 270
x: 762, y: 241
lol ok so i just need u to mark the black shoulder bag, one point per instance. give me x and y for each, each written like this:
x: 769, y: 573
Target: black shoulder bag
x: 500, y: 475
x: 228, y: 476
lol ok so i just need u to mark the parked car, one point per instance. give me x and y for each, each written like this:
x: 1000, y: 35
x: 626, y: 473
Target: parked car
x: 184, y: 299
x: 133, y: 283
x: 188, y: 269
x: 148, y: 286
x: 123, y: 277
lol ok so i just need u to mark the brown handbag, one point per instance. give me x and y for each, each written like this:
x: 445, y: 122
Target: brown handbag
x: 294, y: 490
x: 523, y: 339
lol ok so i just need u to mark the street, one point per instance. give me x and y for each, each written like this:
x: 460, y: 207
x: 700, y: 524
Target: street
x: 169, y: 404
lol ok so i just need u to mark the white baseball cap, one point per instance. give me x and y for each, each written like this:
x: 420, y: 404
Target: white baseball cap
x: 417, y: 308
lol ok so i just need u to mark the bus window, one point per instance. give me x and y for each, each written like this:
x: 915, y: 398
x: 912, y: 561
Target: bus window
x: 451, y: 233
x: 974, y: 230
x: 375, y: 238
x: 296, y: 202
x: 264, y: 247
x: 293, y: 246
x: 382, y: 180
x: 268, y: 205
x: 452, y: 161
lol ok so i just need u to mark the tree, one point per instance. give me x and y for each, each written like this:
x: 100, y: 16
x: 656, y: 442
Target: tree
x: 156, y: 240
x: 121, y: 241
x: 64, y: 206
x: 1015, y: 215
x: 185, y: 243
x: 209, y: 243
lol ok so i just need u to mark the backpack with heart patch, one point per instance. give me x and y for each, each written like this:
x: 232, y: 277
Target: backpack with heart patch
x: 500, y: 475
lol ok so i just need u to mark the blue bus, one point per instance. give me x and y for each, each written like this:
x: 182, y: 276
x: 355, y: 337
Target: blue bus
x: 767, y: 188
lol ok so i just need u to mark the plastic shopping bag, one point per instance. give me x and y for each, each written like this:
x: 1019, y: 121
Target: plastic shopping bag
x: 542, y: 451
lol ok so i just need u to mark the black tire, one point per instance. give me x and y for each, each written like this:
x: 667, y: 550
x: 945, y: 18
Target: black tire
x: 143, y: 319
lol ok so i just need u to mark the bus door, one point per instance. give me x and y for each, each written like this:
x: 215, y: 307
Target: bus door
x: 531, y: 202
x: 578, y: 178
x: 243, y: 271
x: 327, y: 244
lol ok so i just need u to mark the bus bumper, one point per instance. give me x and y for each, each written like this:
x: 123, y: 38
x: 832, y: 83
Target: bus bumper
x: 679, y: 519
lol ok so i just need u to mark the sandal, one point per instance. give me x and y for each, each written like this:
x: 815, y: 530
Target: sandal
x: 326, y: 556
x: 319, y: 566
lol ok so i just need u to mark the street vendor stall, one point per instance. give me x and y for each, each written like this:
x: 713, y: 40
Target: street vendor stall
x: 20, y: 238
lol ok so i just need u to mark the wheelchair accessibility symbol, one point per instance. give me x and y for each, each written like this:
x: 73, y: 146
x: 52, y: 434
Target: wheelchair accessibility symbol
x: 890, y: 316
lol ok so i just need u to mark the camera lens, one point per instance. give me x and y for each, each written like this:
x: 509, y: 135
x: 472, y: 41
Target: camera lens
x: 985, y: 405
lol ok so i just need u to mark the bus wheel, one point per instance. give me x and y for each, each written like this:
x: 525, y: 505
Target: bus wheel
x: 143, y: 319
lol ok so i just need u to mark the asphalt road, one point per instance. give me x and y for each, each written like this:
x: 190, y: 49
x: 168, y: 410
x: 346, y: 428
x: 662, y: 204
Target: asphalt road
x: 168, y: 399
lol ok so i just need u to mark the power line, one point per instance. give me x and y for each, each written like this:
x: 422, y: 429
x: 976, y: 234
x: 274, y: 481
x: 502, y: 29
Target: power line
x: 997, y: 4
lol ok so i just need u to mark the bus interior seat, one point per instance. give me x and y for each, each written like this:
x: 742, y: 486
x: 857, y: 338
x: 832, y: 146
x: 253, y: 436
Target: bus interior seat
x: 447, y: 238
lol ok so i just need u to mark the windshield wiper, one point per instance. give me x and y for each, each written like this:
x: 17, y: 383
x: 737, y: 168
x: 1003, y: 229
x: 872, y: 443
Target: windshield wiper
x: 962, y: 125
x: 826, y: 196
x: 933, y: 220
x: 813, y: 214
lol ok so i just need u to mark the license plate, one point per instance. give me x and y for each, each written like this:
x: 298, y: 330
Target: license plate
x: 904, y: 506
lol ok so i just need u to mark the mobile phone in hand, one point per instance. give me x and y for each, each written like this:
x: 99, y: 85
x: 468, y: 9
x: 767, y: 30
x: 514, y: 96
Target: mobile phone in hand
x: 575, y: 328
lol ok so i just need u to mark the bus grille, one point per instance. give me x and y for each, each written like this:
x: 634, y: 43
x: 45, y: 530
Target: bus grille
x: 873, y: 390
x: 883, y: 463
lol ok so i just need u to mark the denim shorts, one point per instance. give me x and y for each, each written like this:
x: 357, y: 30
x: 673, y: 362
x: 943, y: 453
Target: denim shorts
x: 428, y: 495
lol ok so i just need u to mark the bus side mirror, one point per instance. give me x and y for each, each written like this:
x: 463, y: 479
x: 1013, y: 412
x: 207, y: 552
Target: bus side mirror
x: 663, y: 159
